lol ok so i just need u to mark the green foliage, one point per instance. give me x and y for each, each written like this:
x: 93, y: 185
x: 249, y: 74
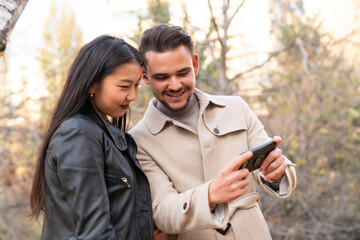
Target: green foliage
x: 159, y: 11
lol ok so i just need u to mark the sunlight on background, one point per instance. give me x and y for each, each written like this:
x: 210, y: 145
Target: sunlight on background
x: 252, y: 28
x: 316, y: 110
x: 117, y: 17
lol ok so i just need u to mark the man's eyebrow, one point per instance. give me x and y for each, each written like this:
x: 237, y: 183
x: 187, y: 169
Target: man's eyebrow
x: 157, y: 75
x: 184, y: 69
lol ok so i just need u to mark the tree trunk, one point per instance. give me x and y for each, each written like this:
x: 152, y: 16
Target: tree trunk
x: 10, y: 11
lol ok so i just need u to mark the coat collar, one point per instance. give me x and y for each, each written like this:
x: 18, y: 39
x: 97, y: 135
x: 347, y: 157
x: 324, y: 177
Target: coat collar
x: 156, y: 120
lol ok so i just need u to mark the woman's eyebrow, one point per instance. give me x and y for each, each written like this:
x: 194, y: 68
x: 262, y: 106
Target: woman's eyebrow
x: 125, y: 80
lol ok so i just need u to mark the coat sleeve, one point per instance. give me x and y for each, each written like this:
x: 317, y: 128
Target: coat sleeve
x: 257, y: 136
x: 80, y: 169
x: 175, y: 212
x: 287, y: 184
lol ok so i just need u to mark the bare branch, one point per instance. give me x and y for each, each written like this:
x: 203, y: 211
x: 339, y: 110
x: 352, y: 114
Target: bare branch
x: 212, y: 51
x: 346, y: 37
x: 266, y: 61
x: 215, y: 24
x: 232, y: 17
x: 305, y: 56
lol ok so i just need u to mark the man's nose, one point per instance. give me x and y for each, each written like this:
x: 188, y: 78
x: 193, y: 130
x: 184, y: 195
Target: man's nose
x: 174, y: 83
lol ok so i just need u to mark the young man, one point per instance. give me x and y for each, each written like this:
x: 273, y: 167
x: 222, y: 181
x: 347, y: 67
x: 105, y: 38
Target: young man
x: 189, y: 146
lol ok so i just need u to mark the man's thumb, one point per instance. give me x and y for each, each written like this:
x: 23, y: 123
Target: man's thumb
x: 237, y: 161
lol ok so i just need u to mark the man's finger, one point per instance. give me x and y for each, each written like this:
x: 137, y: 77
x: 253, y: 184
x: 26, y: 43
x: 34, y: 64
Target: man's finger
x: 277, y: 139
x: 273, y: 155
x: 276, y: 173
x: 238, y: 161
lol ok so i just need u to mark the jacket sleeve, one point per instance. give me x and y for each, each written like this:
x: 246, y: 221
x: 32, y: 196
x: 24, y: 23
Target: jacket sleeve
x: 175, y: 212
x: 287, y: 184
x: 257, y: 136
x: 80, y: 168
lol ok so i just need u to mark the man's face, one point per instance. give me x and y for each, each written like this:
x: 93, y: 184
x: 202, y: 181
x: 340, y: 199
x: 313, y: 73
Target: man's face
x: 171, y: 76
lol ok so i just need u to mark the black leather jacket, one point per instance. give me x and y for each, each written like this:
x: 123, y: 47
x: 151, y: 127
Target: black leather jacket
x: 95, y: 188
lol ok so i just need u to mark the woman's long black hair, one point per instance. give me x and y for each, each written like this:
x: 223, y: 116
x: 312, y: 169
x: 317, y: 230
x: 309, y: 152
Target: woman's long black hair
x: 95, y: 60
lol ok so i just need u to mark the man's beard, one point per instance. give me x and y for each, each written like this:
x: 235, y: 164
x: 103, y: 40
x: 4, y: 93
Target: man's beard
x: 180, y: 108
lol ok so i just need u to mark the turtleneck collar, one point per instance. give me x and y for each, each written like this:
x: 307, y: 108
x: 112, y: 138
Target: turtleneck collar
x: 190, y: 109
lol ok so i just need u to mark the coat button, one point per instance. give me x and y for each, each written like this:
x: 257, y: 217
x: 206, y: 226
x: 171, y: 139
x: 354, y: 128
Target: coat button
x: 216, y: 131
x: 184, y: 206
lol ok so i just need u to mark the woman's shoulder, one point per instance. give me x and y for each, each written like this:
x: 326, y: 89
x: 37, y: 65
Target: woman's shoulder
x: 79, y: 124
x: 77, y: 130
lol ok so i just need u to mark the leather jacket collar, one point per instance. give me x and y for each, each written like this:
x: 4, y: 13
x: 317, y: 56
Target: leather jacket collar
x: 118, y: 136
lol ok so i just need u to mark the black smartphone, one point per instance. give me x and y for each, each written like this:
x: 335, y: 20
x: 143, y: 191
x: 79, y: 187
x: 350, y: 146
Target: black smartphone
x: 259, y: 155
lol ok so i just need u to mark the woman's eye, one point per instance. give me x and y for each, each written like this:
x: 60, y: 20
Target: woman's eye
x: 124, y: 87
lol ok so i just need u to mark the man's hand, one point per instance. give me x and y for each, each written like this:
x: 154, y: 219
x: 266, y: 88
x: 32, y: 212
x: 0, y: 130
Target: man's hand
x: 158, y: 234
x: 231, y: 183
x: 274, y: 165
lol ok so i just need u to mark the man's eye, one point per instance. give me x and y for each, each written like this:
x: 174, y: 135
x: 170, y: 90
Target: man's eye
x: 161, y: 78
x: 183, y: 74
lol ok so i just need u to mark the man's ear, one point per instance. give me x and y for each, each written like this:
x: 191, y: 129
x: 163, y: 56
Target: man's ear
x: 195, y: 62
x: 144, y: 75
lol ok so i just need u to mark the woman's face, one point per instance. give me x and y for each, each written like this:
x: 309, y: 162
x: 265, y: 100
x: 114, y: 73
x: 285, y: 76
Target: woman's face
x: 116, y: 91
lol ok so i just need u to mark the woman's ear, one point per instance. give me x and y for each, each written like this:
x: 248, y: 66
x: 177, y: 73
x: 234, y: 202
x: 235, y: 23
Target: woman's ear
x: 93, y: 89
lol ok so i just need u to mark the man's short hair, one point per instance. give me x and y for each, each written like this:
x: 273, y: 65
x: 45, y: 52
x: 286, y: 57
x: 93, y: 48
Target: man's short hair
x: 165, y: 37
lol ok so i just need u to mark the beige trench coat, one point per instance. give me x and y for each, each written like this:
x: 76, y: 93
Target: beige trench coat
x: 180, y: 164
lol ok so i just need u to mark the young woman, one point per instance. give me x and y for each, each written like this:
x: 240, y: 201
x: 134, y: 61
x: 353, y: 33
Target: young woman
x: 88, y: 181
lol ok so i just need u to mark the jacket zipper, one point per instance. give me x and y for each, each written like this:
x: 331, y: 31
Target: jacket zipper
x: 125, y: 181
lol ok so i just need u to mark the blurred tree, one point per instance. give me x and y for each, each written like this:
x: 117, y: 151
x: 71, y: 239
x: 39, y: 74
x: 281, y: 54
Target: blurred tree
x: 19, y: 140
x: 63, y: 39
x: 158, y: 12
x: 218, y: 34
x: 313, y: 100
x: 310, y: 88
x: 212, y: 74
x: 10, y: 11
x: 208, y: 73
